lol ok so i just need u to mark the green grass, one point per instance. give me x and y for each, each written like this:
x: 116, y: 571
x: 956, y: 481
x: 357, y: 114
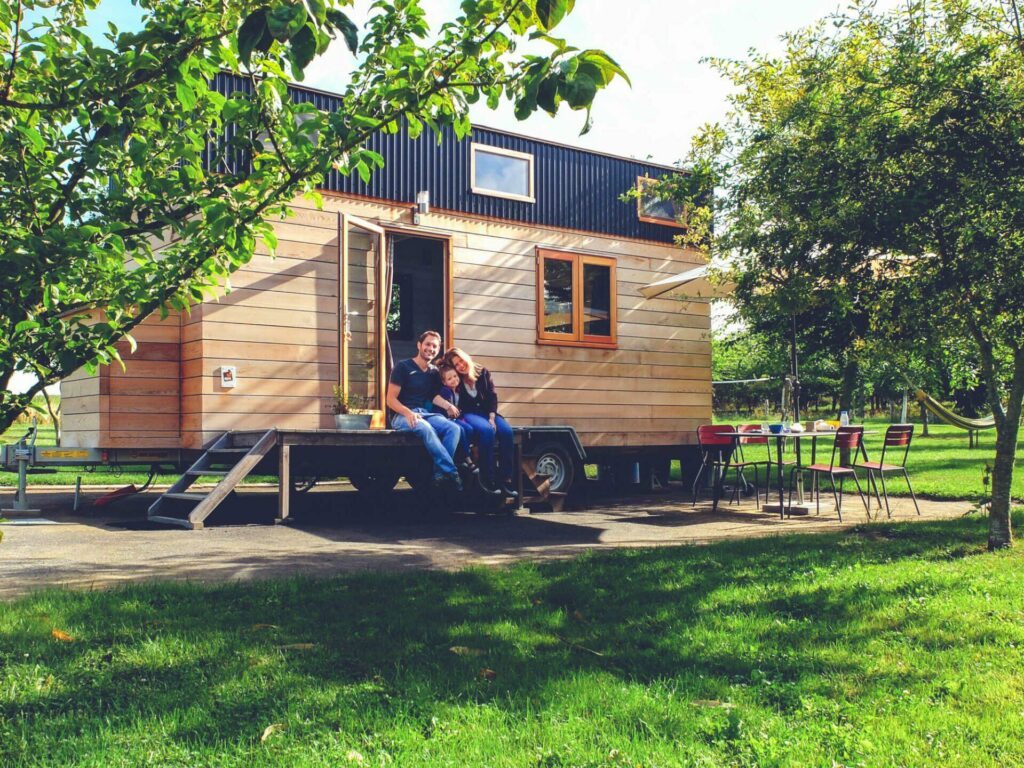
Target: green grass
x: 888, y: 645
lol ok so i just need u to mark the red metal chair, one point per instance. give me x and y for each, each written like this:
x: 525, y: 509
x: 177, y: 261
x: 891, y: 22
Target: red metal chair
x: 896, y: 436
x: 715, y: 450
x: 847, y: 438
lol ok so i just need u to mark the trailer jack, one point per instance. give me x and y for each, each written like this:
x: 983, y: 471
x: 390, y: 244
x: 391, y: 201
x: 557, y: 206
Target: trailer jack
x: 23, y: 451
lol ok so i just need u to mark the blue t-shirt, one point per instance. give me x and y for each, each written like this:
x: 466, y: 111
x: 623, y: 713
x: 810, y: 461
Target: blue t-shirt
x: 418, y: 387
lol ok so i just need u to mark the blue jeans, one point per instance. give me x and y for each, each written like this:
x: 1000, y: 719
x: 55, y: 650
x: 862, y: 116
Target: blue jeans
x: 440, y: 436
x: 485, y: 437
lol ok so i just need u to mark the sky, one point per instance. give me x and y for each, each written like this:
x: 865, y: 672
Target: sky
x: 660, y: 44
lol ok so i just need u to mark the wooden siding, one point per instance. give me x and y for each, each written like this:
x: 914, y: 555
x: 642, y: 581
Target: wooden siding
x: 137, y: 406
x: 279, y: 325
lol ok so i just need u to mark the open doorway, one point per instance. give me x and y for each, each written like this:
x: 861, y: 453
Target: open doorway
x: 418, y: 292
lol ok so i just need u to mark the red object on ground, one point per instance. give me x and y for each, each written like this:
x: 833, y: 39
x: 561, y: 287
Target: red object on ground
x: 120, y: 493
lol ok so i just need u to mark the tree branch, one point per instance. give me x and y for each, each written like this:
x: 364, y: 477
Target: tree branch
x: 15, y: 47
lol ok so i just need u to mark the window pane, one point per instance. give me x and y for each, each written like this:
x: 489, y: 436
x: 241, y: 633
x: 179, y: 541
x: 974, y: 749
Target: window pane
x: 501, y: 173
x: 597, y: 300
x: 557, y: 296
x: 654, y: 208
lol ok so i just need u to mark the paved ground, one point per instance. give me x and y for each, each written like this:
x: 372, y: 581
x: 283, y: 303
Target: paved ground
x: 334, y: 531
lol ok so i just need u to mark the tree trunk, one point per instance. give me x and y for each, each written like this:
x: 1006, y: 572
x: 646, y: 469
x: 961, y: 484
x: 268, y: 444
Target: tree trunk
x: 924, y: 421
x: 1000, y: 535
x: 848, y: 386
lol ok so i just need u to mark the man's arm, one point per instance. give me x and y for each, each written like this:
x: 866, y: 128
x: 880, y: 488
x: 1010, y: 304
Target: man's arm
x: 447, y: 406
x: 394, y: 404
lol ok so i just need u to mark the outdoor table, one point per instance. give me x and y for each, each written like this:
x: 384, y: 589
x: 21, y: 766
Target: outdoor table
x: 780, y: 438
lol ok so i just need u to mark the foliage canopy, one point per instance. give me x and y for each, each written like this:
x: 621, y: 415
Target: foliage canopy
x: 875, y: 172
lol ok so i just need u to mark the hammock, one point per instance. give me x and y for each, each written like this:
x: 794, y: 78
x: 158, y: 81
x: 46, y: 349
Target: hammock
x: 942, y: 413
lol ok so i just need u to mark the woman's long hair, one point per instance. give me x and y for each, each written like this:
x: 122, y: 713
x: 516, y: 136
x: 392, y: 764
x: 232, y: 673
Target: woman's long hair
x: 474, y: 368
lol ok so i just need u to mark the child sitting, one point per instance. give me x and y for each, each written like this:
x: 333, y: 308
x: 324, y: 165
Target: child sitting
x: 450, y: 394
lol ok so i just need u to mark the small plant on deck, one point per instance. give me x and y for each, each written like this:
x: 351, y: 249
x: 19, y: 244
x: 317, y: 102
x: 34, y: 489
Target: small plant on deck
x: 350, y: 403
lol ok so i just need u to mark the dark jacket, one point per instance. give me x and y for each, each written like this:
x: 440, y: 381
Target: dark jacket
x: 486, y: 401
x: 449, y: 395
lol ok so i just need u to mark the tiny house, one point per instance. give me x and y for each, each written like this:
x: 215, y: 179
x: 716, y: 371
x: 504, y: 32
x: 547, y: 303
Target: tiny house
x: 519, y: 250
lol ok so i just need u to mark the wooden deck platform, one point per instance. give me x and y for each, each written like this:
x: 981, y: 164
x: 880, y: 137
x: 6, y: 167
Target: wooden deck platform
x: 309, y: 453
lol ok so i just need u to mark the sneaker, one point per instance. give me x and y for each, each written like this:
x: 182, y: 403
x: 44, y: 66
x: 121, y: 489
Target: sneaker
x: 455, y: 481
x: 486, y: 488
x: 508, y: 490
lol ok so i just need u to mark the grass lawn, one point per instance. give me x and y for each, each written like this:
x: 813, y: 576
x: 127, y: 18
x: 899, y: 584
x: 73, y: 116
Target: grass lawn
x: 890, y: 645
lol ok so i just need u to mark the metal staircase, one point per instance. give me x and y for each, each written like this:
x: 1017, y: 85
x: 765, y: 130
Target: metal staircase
x: 178, y: 506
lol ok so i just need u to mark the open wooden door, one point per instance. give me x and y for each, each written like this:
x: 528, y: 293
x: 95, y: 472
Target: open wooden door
x: 362, y: 289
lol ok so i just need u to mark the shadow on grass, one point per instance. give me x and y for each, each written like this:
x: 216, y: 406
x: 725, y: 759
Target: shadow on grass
x: 787, y: 617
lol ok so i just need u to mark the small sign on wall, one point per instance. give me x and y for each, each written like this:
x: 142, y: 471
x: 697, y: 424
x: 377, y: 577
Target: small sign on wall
x: 228, y: 376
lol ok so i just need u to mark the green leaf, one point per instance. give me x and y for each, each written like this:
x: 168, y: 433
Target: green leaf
x: 33, y: 136
x: 186, y: 96
x: 26, y: 325
x: 547, y: 95
x: 551, y: 12
x: 317, y: 9
x: 285, y: 21
x: 251, y: 34
x: 605, y: 64
x: 341, y: 22
x: 579, y: 92
x: 302, y: 49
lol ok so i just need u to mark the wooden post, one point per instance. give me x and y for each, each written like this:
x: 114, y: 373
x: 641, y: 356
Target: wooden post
x: 284, y: 482
x: 382, y: 320
x: 343, y: 316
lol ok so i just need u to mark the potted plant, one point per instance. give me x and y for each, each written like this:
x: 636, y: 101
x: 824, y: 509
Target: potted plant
x: 350, y: 410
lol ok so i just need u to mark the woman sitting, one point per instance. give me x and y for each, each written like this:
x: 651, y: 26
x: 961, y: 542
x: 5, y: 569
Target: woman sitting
x: 478, y: 401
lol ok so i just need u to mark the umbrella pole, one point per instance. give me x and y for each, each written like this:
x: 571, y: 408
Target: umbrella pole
x: 794, y: 368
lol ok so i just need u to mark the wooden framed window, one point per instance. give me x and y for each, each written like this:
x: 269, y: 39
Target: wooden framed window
x: 655, y: 210
x: 576, y: 299
x: 501, y: 172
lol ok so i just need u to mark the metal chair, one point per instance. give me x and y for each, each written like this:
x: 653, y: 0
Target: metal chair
x: 847, y: 438
x: 744, y: 461
x: 715, y: 450
x: 896, y: 436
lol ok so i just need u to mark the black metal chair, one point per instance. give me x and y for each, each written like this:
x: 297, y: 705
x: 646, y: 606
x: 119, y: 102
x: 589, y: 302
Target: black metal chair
x: 896, y: 436
x: 847, y: 438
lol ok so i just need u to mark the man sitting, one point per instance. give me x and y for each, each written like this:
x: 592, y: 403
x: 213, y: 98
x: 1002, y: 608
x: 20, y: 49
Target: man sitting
x: 412, y: 388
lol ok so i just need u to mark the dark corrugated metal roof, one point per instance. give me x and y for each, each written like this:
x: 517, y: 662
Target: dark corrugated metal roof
x: 574, y: 188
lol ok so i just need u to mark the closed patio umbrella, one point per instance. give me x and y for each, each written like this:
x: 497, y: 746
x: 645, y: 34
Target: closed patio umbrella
x: 692, y: 284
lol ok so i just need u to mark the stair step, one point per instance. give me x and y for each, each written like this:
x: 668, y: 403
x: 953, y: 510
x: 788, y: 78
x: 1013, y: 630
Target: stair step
x: 201, y: 472
x: 182, y: 521
x: 185, y: 496
x: 228, y: 450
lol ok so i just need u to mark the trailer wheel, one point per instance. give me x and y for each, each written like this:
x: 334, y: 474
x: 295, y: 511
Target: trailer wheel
x: 554, y: 460
x: 374, y: 482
